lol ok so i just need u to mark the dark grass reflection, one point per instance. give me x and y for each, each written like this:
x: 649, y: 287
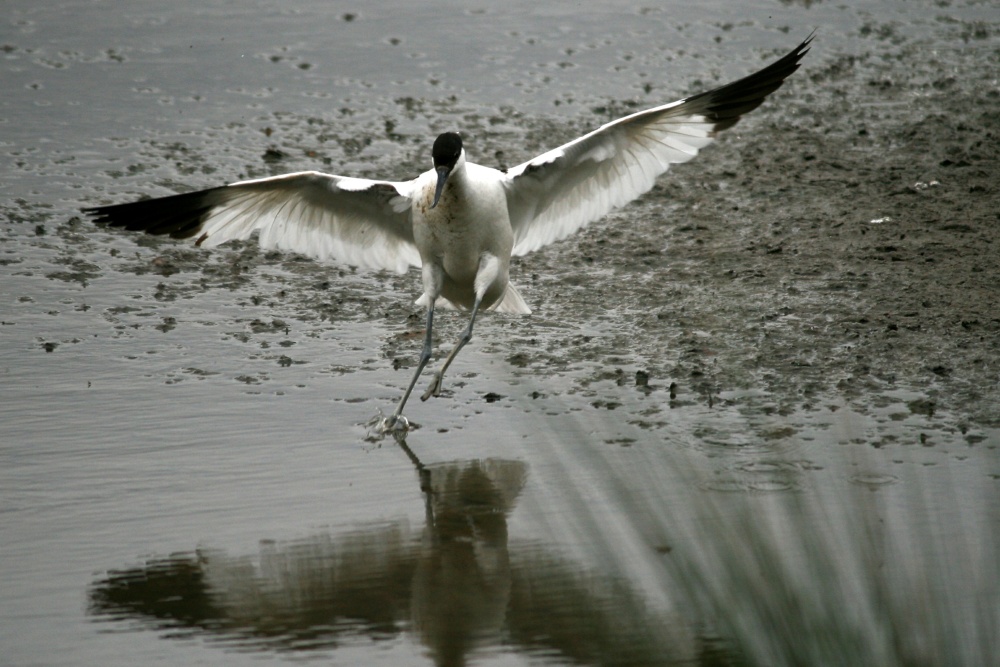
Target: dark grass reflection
x: 851, y: 573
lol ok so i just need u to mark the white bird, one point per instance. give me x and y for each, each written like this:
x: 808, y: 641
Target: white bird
x: 459, y: 222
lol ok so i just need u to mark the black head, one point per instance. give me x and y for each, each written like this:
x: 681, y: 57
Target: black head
x: 447, y: 149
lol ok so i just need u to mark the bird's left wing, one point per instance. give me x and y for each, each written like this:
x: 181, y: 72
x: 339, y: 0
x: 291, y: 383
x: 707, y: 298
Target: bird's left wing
x: 353, y: 221
x: 560, y: 191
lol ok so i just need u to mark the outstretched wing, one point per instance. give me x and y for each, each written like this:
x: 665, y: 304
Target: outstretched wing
x: 349, y: 220
x: 560, y: 191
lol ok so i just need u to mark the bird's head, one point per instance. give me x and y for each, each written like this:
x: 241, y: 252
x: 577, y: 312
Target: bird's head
x: 447, y: 153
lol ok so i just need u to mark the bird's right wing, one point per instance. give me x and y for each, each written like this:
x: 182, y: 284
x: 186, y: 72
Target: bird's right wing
x: 560, y: 191
x: 354, y: 221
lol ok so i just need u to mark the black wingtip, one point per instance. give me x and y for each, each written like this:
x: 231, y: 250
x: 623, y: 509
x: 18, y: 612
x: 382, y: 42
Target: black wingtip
x: 180, y: 216
x: 725, y: 105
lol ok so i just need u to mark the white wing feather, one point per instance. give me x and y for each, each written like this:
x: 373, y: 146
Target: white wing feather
x: 353, y: 221
x: 560, y: 191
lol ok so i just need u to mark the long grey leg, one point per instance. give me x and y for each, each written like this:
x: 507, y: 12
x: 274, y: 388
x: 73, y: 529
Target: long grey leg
x: 486, y: 274
x: 435, y: 388
x: 425, y: 356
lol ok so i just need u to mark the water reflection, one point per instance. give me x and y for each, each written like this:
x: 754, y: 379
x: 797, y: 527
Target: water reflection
x: 457, y: 586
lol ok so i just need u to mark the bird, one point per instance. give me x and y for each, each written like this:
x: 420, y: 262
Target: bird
x: 459, y: 222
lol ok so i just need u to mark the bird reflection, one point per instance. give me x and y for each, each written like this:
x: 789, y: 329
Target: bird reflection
x: 461, y: 586
x: 457, y: 586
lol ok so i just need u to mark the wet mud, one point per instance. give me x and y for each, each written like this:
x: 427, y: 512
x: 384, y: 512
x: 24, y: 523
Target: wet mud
x: 842, y: 244
x: 837, y: 246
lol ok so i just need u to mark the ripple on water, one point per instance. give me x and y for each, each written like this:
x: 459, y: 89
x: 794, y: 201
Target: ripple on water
x: 874, y: 479
x: 750, y: 485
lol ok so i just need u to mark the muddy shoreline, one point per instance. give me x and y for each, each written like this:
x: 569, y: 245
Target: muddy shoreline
x: 842, y: 242
x: 837, y: 244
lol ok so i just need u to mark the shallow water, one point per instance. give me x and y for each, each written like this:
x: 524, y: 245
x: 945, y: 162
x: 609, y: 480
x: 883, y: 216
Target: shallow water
x: 187, y: 476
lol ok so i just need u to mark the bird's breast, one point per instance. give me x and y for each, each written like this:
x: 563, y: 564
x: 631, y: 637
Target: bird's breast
x: 471, y: 218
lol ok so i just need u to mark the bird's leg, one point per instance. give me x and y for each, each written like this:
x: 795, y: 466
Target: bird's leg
x: 487, y: 273
x: 435, y: 388
x: 425, y: 354
x: 433, y: 277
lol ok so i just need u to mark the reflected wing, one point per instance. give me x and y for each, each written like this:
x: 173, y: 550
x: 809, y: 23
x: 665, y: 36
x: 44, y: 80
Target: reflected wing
x: 350, y: 220
x: 558, y: 192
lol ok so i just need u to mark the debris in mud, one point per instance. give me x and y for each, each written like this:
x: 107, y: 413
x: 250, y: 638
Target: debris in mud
x: 274, y: 326
x: 273, y: 154
x: 168, y: 324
